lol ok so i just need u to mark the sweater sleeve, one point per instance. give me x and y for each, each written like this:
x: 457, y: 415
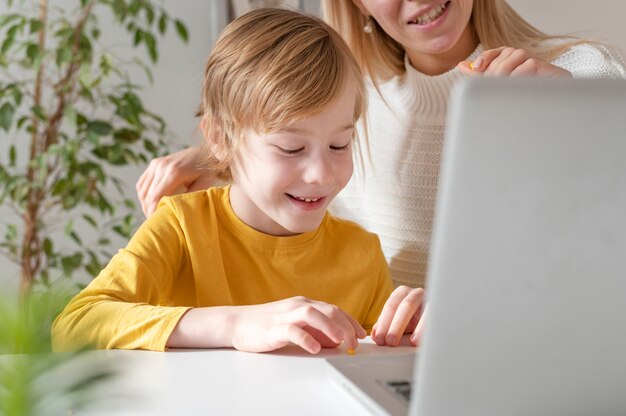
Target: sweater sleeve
x: 592, y: 61
x: 123, y: 306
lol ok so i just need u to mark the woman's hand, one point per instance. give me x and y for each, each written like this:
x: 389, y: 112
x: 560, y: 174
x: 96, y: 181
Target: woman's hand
x: 170, y: 174
x: 510, y: 62
x: 299, y: 320
x: 403, y: 313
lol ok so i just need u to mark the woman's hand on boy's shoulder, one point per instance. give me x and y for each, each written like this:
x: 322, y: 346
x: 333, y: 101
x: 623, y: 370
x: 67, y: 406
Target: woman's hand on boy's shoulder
x: 510, y: 62
x: 172, y: 174
x: 403, y: 313
x: 305, y: 322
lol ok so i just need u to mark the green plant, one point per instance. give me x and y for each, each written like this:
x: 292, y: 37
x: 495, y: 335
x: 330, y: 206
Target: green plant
x: 32, y: 380
x: 73, y: 100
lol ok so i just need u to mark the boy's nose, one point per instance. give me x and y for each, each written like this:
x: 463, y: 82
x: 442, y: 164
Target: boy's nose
x: 319, y: 169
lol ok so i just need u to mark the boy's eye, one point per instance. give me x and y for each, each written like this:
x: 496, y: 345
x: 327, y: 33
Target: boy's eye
x: 289, y: 151
x: 345, y: 147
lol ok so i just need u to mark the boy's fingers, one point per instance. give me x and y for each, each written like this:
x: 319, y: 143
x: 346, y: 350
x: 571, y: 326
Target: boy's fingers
x: 297, y: 335
x: 320, y: 337
x: 416, y: 338
x: 351, y: 328
x: 388, y: 312
x: 408, y: 308
x: 309, y: 315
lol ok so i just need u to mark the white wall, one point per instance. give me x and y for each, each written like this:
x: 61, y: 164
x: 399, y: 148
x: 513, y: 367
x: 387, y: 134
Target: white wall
x: 599, y: 19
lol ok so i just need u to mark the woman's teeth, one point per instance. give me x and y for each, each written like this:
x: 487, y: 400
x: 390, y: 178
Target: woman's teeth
x: 426, y: 18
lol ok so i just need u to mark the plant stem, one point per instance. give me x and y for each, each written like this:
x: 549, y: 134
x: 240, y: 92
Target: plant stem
x: 30, y: 244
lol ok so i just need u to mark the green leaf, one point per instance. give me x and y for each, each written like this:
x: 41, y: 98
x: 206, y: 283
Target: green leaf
x: 35, y: 25
x: 90, y: 220
x: 76, y: 238
x: 12, y: 156
x: 8, y: 42
x: 6, y: 19
x: 71, y: 263
x: 181, y: 29
x: 149, y: 14
x: 64, y: 55
x: 138, y: 37
x: 48, y: 247
x: 17, y: 95
x: 33, y: 53
x: 70, y: 116
x: 39, y: 113
x: 6, y: 116
x: 150, y: 42
x: 69, y: 227
x: 101, y: 128
x: 127, y: 135
x: 163, y: 20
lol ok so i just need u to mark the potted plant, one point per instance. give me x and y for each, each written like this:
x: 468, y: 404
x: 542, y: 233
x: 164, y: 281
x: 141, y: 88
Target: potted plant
x: 70, y: 111
x: 72, y: 100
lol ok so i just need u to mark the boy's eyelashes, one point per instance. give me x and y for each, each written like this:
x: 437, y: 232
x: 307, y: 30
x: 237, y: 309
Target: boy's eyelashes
x: 289, y: 151
x: 295, y: 151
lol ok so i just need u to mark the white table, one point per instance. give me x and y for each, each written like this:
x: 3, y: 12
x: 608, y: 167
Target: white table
x: 228, y: 382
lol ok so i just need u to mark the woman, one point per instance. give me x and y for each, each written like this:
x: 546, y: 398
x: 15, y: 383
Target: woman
x: 413, y: 53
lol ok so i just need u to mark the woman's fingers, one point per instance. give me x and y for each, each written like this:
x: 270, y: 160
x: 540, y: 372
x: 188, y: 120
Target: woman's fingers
x: 506, y: 62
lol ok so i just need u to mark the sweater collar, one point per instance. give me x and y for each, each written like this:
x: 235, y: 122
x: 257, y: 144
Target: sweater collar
x: 431, y: 92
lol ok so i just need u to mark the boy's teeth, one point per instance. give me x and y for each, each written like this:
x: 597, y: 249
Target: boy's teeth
x: 430, y: 16
x: 307, y: 199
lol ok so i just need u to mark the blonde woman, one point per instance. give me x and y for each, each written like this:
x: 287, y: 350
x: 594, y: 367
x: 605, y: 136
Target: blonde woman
x: 412, y: 53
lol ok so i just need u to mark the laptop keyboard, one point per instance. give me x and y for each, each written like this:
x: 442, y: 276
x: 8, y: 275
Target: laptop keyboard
x: 400, y: 388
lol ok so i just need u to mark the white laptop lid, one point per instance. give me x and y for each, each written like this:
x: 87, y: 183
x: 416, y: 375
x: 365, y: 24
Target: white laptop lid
x: 527, y: 274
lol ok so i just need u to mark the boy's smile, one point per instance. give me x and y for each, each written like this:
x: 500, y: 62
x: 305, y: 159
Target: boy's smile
x: 283, y: 181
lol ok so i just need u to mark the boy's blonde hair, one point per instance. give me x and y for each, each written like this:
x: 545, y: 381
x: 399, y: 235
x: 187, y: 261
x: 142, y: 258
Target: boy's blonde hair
x: 271, y: 67
x: 495, y: 22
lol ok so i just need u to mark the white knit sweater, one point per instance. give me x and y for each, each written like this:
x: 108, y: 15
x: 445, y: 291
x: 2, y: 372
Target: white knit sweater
x: 394, y: 195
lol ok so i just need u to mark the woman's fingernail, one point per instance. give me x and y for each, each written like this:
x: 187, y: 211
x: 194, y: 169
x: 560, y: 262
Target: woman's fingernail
x: 391, y: 340
x: 477, y: 63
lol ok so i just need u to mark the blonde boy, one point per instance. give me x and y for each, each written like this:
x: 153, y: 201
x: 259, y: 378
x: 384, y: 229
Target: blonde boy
x: 260, y: 263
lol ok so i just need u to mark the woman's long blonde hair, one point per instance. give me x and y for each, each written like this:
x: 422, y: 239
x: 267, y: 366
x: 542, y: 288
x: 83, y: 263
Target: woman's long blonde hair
x: 271, y: 67
x: 495, y: 22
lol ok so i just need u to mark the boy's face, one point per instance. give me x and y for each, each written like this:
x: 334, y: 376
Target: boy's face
x: 284, y: 181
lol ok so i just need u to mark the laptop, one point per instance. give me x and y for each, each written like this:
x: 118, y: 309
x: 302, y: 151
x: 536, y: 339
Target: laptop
x: 527, y: 274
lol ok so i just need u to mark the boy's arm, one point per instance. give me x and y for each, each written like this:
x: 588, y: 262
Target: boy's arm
x: 120, y: 308
x: 266, y: 327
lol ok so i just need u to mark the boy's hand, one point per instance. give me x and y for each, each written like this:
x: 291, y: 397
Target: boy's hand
x: 304, y: 322
x: 510, y: 62
x: 402, y: 314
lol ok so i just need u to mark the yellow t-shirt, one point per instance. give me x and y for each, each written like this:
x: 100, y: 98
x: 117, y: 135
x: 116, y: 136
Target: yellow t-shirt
x: 195, y: 252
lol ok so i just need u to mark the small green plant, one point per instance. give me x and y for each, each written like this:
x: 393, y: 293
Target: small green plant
x: 32, y: 380
x: 69, y: 110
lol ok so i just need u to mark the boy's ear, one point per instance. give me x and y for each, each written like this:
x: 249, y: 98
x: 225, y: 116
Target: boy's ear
x: 213, y: 134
